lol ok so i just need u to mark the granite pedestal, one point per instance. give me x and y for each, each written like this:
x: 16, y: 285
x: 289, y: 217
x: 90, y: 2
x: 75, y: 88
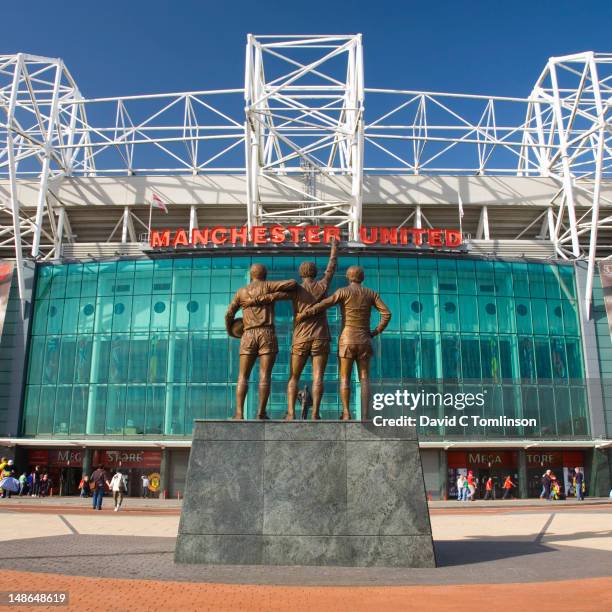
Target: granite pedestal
x: 304, y: 493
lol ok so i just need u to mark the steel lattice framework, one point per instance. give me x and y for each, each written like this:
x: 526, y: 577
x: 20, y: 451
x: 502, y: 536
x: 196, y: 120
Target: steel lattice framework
x: 298, y: 123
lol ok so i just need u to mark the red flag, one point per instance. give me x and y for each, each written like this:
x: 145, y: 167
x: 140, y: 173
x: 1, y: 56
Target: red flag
x: 157, y: 202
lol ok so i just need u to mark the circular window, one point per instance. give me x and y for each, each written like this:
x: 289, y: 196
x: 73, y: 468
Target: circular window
x: 558, y: 311
x: 88, y: 310
x: 193, y: 306
x: 119, y: 308
x: 159, y: 307
x: 490, y: 308
x: 521, y: 309
x: 416, y: 306
x: 450, y: 307
x: 52, y: 311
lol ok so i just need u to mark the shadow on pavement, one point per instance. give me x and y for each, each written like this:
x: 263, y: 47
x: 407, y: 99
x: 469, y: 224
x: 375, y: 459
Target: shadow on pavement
x: 464, y: 552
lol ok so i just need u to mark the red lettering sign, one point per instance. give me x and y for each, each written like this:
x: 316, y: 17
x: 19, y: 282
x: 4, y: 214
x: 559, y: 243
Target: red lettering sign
x: 128, y: 458
x: 160, y: 239
x: 544, y: 458
x: 310, y: 234
x: 482, y: 458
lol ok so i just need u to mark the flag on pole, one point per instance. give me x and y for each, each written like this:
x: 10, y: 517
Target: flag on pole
x: 460, y: 205
x: 158, y: 203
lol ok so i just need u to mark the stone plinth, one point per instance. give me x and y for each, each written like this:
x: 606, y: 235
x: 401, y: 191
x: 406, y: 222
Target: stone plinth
x: 304, y: 493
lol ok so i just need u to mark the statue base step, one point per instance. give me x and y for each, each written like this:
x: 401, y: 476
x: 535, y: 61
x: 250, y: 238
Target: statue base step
x: 325, y: 493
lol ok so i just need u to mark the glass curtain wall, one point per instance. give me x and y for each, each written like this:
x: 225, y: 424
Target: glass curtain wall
x: 139, y: 347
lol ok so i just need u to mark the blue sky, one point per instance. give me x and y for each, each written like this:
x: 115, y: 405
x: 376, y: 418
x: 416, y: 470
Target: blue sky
x: 130, y: 47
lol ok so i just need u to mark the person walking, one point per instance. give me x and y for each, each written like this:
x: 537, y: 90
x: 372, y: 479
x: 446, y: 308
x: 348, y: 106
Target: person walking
x: 118, y: 487
x: 23, y: 485
x: 489, y: 488
x: 508, y: 486
x: 43, y: 487
x: 546, y: 483
x: 555, y: 489
x: 10, y: 484
x: 98, y: 479
x: 460, y: 487
x: 35, y: 476
x: 471, y: 486
x: 145, y: 485
x: 84, y: 486
x: 579, y: 480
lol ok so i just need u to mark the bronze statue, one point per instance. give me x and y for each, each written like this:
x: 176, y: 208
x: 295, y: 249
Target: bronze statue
x: 355, y: 343
x: 311, y: 337
x: 257, y: 336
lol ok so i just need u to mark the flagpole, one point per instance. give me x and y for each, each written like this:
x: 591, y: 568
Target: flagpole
x: 150, y: 217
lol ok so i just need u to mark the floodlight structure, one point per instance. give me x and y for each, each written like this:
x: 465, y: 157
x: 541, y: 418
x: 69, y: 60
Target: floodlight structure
x: 304, y: 118
x: 38, y: 116
x: 571, y: 110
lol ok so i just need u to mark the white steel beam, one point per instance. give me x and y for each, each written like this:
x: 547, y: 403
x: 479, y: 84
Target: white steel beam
x: 12, y: 170
x: 44, y: 174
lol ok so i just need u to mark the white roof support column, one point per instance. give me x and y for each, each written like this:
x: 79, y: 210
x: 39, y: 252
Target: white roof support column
x: 418, y: 222
x: 193, y: 218
x: 12, y: 171
x: 127, y: 228
x: 565, y: 164
x: 482, y: 233
x: 44, y: 174
x: 61, y: 217
x: 599, y: 154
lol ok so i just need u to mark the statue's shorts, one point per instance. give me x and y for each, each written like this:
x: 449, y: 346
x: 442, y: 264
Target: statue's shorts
x: 259, y: 341
x: 362, y: 350
x: 311, y: 347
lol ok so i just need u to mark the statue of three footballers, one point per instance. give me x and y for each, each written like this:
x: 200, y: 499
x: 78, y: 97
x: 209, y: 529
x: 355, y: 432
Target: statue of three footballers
x: 311, y: 337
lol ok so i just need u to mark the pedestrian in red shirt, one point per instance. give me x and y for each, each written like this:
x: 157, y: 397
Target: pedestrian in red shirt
x: 471, y: 485
x: 489, y: 488
x: 508, y: 486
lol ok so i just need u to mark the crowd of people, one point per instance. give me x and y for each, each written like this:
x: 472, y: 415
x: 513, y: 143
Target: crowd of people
x: 552, y: 488
x: 467, y: 487
x: 36, y: 483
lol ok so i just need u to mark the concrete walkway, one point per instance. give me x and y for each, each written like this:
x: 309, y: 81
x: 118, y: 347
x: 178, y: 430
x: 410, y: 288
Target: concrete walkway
x: 494, y: 558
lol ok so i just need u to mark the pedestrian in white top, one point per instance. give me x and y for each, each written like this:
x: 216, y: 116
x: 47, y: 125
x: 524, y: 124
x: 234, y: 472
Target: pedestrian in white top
x: 461, y: 488
x: 117, y: 486
x: 145, y: 485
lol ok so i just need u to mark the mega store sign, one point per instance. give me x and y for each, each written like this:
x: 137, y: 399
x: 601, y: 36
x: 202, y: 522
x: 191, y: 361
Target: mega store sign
x: 302, y: 234
x: 125, y: 458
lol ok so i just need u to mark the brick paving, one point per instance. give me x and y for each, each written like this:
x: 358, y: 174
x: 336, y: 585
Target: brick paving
x: 92, y: 594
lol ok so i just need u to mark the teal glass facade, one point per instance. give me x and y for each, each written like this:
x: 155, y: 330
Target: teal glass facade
x: 138, y: 347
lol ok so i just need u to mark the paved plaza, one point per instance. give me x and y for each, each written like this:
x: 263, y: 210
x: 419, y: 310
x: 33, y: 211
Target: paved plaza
x: 503, y: 552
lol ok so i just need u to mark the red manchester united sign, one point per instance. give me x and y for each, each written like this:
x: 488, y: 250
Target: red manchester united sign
x: 302, y: 234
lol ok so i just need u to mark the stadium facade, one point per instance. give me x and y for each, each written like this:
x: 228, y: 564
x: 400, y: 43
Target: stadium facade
x: 126, y: 225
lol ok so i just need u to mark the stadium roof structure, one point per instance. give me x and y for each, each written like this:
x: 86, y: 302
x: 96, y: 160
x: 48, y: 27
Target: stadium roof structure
x: 294, y: 144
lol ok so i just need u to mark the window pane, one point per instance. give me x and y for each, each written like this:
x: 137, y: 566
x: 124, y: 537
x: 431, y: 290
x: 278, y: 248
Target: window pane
x: 66, y: 368
x: 470, y: 357
x: 78, y: 414
x: 158, y: 358
x: 30, y: 410
x: 115, y: 409
x: 63, y: 400
x: 156, y: 404
x: 135, y: 403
